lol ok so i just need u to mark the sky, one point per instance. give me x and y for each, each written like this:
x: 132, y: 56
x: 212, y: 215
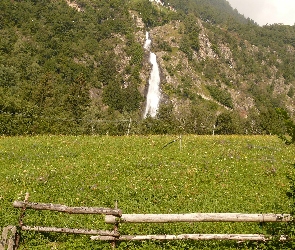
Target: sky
x: 266, y: 11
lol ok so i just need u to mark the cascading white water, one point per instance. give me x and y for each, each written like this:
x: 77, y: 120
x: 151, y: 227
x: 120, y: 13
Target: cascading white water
x: 148, y: 41
x: 153, y: 94
x: 157, y: 1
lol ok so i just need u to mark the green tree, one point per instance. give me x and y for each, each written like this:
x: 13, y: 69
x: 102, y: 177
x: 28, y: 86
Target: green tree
x: 113, y: 97
x: 270, y: 122
x: 228, y: 123
x: 167, y: 121
x: 192, y: 30
x: 77, y: 100
x: 197, y: 122
x: 252, y: 123
x: 291, y: 92
x: 185, y: 47
x: 221, y: 95
x: 131, y: 98
x: 288, y: 134
x: 164, y: 122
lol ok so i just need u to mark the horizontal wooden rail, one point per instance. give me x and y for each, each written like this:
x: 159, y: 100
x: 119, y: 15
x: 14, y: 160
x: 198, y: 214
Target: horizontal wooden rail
x: 197, y: 217
x: 66, y: 209
x: 237, y: 237
x: 115, y: 216
x: 71, y: 231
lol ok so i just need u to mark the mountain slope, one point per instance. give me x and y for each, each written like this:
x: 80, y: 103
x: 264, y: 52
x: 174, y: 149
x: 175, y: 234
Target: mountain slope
x: 72, y: 67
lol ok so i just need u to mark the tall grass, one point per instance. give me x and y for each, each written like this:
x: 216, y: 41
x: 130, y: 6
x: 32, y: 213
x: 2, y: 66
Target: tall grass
x: 244, y: 174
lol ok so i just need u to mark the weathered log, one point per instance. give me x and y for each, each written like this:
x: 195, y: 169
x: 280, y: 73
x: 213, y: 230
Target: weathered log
x: 237, y: 237
x: 66, y: 209
x: 198, y: 217
x: 71, y: 231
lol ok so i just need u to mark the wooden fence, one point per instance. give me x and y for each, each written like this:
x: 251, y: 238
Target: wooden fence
x: 194, y: 217
x: 116, y: 217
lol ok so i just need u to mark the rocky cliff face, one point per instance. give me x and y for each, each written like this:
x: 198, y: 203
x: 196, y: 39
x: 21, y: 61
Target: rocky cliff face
x: 216, y: 63
x: 224, y: 62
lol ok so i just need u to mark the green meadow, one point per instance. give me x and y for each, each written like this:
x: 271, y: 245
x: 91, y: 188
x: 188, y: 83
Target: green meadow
x: 244, y: 174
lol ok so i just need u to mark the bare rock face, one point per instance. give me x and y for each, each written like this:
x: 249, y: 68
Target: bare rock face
x: 74, y: 5
x: 205, y: 50
x: 137, y: 19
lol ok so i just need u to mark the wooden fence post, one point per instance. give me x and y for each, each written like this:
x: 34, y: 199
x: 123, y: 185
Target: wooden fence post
x: 7, y: 240
x: 180, y: 142
x: 20, y: 221
x: 129, y: 126
x: 116, y: 228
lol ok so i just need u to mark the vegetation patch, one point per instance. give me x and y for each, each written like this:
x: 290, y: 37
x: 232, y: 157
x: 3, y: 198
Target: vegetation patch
x: 221, y: 95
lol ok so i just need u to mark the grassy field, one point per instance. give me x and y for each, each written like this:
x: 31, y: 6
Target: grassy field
x: 244, y: 174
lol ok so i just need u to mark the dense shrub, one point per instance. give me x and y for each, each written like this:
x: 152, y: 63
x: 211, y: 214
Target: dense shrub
x: 221, y: 96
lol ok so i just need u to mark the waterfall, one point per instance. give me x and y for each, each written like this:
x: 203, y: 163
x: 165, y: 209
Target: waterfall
x: 153, y: 94
x: 148, y: 41
x: 158, y: 2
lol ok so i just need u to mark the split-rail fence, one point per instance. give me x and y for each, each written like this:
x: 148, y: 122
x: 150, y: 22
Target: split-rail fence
x: 116, y: 217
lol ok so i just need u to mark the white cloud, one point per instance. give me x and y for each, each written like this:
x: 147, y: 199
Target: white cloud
x: 266, y: 11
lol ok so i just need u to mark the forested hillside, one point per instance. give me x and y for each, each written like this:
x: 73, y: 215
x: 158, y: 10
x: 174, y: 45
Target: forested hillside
x: 80, y: 68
